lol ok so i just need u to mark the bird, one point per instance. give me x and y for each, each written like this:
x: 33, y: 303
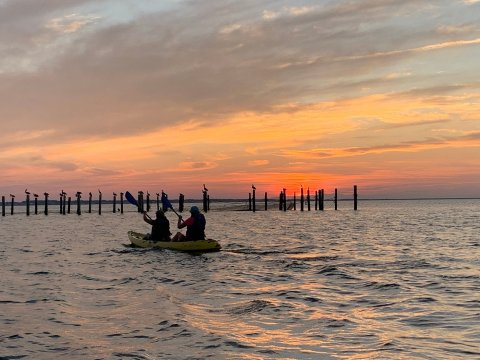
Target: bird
x: 253, y: 187
x: 12, y: 195
x: 204, y: 188
x: 35, y: 195
x: 26, y: 192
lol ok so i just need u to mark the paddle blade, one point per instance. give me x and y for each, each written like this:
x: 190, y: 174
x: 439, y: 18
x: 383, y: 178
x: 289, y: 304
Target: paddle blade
x: 165, y: 202
x: 131, y: 199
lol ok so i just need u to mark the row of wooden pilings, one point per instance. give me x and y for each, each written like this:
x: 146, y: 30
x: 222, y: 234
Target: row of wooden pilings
x: 65, y: 203
x: 319, y: 200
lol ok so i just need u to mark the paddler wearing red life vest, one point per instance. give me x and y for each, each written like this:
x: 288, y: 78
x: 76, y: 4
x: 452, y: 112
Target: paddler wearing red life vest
x: 195, y: 225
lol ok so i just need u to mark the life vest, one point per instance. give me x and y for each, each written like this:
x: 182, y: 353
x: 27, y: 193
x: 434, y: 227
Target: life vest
x: 161, y: 229
x: 197, y: 230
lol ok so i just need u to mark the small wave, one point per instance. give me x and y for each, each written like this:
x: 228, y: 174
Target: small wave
x: 251, y: 307
x: 338, y: 323
x: 123, y: 355
x: 311, y: 299
x: 331, y: 270
x: 39, y: 273
x: 317, y: 258
x: 250, y: 251
x: 379, y: 286
x: 425, y: 300
x: 10, y: 302
x: 237, y: 345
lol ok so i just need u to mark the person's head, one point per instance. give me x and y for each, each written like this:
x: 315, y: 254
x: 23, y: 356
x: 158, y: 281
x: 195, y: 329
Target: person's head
x: 160, y: 213
x: 194, y: 210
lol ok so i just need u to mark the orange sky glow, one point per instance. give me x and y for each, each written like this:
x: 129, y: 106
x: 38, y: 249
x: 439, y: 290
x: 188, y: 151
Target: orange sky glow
x: 93, y: 96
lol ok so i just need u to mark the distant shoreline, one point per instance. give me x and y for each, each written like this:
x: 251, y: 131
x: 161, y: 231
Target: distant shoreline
x: 153, y: 202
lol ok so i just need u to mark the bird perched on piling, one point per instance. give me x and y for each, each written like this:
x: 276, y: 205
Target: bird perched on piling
x: 12, y: 196
x: 35, y: 195
x: 253, y: 187
x: 26, y: 192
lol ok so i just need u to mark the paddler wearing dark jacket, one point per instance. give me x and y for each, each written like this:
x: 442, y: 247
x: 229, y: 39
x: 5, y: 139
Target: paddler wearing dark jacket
x: 195, y: 225
x: 160, y: 226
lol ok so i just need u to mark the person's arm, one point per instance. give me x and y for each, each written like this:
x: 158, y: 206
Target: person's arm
x: 181, y: 223
x: 147, y: 219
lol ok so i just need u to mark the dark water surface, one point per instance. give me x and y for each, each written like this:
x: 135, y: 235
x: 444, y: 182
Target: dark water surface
x: 394, y: 280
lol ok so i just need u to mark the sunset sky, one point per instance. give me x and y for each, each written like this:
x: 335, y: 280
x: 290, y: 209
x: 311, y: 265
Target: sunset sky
x: 171, y: 94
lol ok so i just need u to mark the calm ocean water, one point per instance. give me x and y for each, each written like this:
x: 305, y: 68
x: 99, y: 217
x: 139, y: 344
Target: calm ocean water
x: 394, y: 280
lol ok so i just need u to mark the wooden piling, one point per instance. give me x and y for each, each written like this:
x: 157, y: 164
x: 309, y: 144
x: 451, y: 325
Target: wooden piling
x: 45, y: 210
x: 205, y: 198
x: 79, y: 196
x: 114, y: 203
x: 208, y: 202
x: 64, y: 203
x: 89, y: 202
x: 140, y: 202
x: 336, y: 199
x: 181, y: 202
x: 254, y: 208
x: 321, y: 200
x: 36, y: 203
x: 12, y: 205
x: 280, y: 201
x: 355, y: 198
x: 266, y: 201
x: 28, y: 204
x: 316, y: 200
x: 302, y: 200
x: 121, y: 203
x: 3, y: 205
x: 284, y: 199
x: 99, y: 202
x: 148, y: 201
x: 69, y: 203
x: 158, y: 201
x: 294, y: 200
x: 308, y: 199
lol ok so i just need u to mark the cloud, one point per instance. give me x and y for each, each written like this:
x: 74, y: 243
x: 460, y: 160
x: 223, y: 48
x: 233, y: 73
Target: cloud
x: 258, y: 162
x: 71, y: 23
x: 467, y: 140
x: 196, y: 166
x: 172, y: 66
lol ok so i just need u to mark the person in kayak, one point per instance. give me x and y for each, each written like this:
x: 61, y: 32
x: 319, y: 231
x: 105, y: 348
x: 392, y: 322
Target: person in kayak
x: 195, y: 226
x: 160, y: 227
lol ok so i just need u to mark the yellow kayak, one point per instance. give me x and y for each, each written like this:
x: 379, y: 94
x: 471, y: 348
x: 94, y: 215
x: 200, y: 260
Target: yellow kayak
x: 137, y: 239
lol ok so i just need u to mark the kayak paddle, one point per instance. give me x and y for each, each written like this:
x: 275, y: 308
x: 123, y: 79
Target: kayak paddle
x: 133, y: 201
x: 166, y: 203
